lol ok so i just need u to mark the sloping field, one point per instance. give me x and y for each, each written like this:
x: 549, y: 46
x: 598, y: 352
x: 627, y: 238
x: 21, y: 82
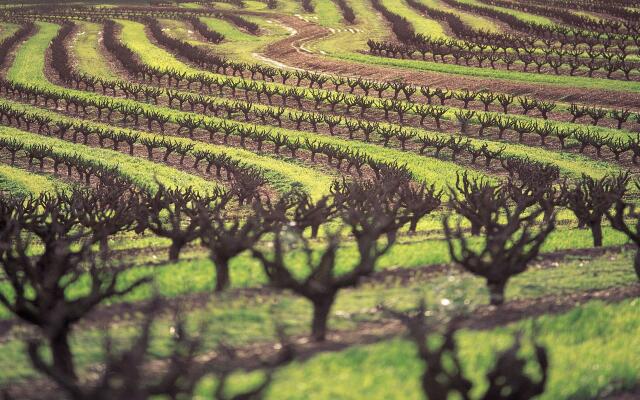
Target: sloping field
x: 320, y: 199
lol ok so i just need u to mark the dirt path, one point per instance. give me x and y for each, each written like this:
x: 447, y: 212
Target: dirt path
x: 291, y: 52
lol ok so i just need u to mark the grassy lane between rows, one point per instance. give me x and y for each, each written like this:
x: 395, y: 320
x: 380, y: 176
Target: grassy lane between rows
x: 197, y: 274
x: 230, y: 31
x: 28, y: 68
x: 243, y: 320
x: 474, y: 21
x: 84, y: 42
x: 589, y: 349
x: 282, y: 173
x: 420, y: 23
x: 7, y: 29
x: 527, y: 77
x: 20, y: 182
x: 237, y: 45
x: 133, y: 35
x: 327, y: 13
x: 571, y: 164
x: 521, y: 15
x: 143, y: 173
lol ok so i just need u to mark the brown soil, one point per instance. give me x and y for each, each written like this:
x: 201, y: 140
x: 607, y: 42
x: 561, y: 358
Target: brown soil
x: 624, y: 395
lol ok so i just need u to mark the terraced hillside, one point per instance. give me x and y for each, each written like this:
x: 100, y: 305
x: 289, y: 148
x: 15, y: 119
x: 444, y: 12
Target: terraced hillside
x: 320, y: 199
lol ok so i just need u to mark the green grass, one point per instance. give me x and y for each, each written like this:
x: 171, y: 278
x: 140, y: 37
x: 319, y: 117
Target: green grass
x: 586, y: 14
x: 134, y: 36
x: 84, y: 43
x: 219, y: 5
x: 589, y: 347
x: 533, y: 78
x: 570, y: 164
x: 368, y: 25
x: 472, y: 20
x: 144, y: 173
x: 229, y: 30
x: 423, y: 168
x: 21, y: 182
x: 237, y: 45
x: 29, y: 62
x: 524, y: 16
x: 421, y: 24
x: 191, y: 5
x: 7, y: 29
x: 288, y: 7
x: 285, y: 173
x: 328, y: 14
x: 368, y: 19
x: 243, y: 320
